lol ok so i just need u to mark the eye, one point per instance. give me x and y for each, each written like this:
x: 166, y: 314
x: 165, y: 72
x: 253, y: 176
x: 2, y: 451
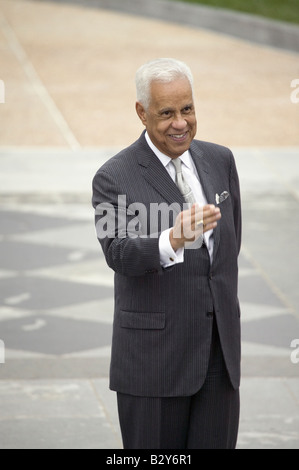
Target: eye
x: 187, y: 109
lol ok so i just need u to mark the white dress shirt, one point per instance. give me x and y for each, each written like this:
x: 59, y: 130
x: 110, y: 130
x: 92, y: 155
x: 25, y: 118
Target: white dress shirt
x: 168, y: 256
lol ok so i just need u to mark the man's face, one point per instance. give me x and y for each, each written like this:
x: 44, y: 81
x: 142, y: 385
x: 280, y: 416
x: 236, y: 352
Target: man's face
x: 170, y: 119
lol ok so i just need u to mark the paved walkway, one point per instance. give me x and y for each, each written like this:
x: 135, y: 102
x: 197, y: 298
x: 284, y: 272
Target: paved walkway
x: 63, y: 92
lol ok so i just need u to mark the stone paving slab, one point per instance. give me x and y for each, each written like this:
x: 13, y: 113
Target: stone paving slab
x: 55, y: 414
x: 73, y: 414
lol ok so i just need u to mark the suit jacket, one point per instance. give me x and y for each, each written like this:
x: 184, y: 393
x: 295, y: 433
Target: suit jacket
x: 163, y: 317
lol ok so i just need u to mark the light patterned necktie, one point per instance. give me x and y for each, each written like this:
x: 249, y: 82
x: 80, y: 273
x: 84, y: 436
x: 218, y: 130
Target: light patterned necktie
x: 189, y: 197
x: 182, y: 184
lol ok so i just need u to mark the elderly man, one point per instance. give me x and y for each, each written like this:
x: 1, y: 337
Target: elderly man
x: 176, y: 335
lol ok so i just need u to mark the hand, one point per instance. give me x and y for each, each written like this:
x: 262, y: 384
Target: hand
x: 192, y: 223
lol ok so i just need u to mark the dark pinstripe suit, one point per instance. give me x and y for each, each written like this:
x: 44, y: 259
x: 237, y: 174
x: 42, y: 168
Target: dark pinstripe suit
x: 164, y: 317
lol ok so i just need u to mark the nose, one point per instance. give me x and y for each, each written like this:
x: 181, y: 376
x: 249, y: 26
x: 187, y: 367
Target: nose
x: 179, y: 122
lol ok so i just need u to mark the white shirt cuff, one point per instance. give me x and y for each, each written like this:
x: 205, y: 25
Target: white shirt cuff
x: 169, y: 257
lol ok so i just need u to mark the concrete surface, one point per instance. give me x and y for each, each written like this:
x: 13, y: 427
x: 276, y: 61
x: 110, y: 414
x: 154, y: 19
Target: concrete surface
x: 69, y: 73
x: 69, y: 106
x: 248, y: 27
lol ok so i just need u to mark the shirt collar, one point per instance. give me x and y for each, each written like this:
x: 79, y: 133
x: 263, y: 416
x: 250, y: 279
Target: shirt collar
x: 164, y: 159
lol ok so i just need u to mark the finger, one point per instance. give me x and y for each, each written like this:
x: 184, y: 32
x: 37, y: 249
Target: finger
x: 204, y: 218
x: 195, y: 209
x: 209, y: 210
x: 211, y: 215
x: 198, y: 218
x: 212, y: 222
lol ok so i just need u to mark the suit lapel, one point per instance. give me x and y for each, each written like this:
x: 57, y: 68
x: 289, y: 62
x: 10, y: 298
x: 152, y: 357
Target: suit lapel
x: 157, y: 175
x: 206, y: 179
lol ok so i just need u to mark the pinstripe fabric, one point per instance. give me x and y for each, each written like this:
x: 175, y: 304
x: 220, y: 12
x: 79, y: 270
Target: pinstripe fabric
x: 207, y: 420
x: 162, y: 323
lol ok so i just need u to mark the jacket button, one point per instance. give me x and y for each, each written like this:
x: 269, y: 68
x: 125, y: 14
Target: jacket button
x: 210, y: 314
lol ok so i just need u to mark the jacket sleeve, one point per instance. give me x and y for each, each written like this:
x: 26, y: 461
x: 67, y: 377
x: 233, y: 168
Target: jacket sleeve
x: 236, y: 198
x: 127, y: 247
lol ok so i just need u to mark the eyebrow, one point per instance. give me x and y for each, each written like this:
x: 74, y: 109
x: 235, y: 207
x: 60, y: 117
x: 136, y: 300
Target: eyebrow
x: 163, y: 110
x: 189, y: 105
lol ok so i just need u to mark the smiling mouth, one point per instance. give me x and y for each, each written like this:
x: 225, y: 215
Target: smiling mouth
x: 178, y: 137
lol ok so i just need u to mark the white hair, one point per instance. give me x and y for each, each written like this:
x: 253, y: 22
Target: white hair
x: 163, y: 70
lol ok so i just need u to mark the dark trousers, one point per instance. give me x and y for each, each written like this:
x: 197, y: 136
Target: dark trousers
x: 207, y: 420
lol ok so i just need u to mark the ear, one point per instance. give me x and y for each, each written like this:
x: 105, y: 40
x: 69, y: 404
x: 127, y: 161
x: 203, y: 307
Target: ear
x: 141, y: 113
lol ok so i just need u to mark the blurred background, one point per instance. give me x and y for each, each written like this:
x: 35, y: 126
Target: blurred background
x: 67, y: 104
